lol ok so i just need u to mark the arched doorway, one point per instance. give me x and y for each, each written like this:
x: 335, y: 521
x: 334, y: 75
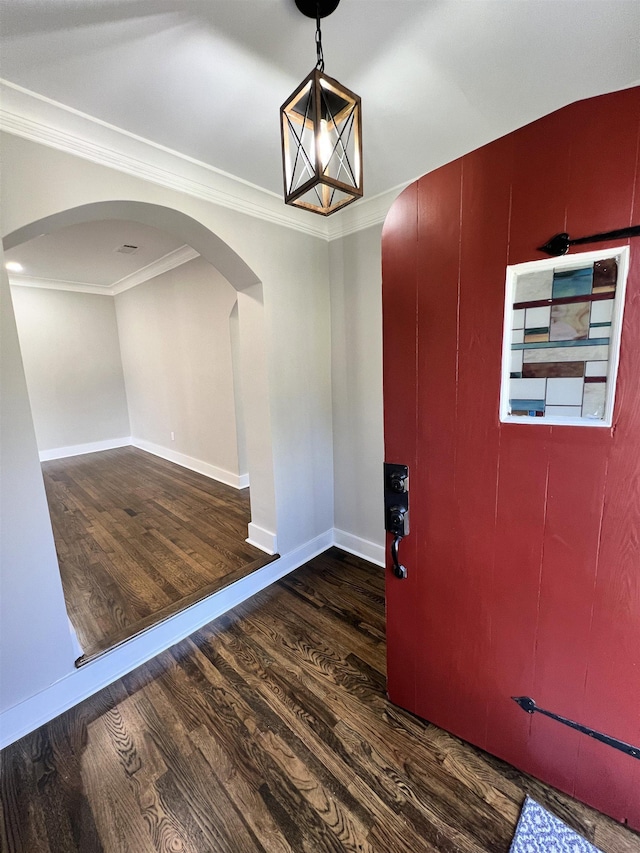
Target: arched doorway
x: 249, y: 345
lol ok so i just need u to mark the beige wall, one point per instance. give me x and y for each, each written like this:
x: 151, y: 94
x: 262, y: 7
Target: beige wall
x: 292, y: 315
x: 238, y: 392
x: 35, y: 643
x: 310, y: 374
x: 71, y: 356
x: 175, y: 341
x: 291, y: 266
x: 356, y: 334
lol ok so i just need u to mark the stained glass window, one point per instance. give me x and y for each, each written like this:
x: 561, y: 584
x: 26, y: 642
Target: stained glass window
x: 563, y: 319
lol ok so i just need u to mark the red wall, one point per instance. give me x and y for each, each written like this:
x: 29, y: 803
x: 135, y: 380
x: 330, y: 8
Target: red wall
x: 537, y: 527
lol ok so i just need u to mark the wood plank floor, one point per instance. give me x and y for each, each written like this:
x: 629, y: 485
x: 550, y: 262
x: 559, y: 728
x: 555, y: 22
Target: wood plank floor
x: 269, y: 732
x: 139, y: 538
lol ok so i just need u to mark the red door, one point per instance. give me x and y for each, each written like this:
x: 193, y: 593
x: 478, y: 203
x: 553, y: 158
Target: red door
x: 523, y: 557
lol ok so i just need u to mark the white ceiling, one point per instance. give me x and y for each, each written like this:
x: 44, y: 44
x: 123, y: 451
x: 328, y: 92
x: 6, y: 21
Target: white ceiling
x: 86, y: 254
x: 207, y: 77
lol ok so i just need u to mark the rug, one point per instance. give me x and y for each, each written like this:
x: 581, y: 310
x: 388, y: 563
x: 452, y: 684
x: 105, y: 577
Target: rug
x: 539, y: 831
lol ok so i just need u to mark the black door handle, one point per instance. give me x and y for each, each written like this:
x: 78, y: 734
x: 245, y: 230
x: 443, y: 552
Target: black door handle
x: 398, y: 570
x: 396, y: 506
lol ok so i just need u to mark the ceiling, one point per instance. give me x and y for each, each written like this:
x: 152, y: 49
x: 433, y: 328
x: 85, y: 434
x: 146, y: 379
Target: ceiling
x: 207, y: 77
x: 87, y: 253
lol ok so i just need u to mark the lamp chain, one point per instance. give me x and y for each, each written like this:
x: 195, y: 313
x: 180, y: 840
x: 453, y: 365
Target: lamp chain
x: 320, y: 55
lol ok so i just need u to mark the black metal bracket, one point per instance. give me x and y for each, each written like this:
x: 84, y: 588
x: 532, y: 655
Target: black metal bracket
x: 559, y: 243
x: 317, y: 8
x: 527, y: 704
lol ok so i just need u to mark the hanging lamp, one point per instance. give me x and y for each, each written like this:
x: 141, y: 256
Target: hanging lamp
x: 321, y: 126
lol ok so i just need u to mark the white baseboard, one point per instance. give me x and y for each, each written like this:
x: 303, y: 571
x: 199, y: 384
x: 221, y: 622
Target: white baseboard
x: 80, y: 449
x: 238, y: 481
x: 360, y: 547
x: 263, y: 539
x: 81, y: 683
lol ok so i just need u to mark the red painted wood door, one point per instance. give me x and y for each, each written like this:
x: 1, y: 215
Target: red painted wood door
x: 523, y: 557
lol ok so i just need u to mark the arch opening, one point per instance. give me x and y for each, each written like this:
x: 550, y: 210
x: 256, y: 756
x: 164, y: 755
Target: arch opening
x: 245, y: 330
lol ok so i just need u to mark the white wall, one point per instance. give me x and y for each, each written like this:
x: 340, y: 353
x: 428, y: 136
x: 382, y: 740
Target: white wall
x: 35, y: 643
x: 292, y: 269
x: 175, y: 341
x: 72, y: 362
x: 254, y: 379
x: 358, y: 445
x: 238, y: 393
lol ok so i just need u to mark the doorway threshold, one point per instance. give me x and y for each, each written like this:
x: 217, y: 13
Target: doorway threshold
x: 98, y: 649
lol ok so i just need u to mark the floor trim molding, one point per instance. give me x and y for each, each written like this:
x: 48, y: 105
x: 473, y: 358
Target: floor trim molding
x: 364, y: 548
x: 261, y: 538
x: 238, y: 481
x: 81, y: 449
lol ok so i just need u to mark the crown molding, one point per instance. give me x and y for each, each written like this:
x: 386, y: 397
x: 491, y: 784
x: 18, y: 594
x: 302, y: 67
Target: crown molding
x: 18, y: 280
x: 363, y: 214
x: 39, y: 119
x: 164, y: 264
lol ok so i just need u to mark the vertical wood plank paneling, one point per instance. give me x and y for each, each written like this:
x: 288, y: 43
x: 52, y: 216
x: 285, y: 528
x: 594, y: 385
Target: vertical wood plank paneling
x: 603, y: 165
x: 633, y: 804
x: 438, y: 529
x: 532, y: 587
x: 520, y: 520
x: 612, y: 702
x: 399, y: 265
x: 485, y: 228
x: 537, y: 205
x: 577, y: 476
x: 612, y: 690
x: 540, y: 185
x: 613, y: 680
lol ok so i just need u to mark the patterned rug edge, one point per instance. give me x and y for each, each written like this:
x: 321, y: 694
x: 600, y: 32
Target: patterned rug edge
x: 539, y: 831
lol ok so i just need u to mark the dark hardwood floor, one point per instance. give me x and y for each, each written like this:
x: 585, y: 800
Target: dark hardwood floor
x: 269, y: 732
x: 139, y: 539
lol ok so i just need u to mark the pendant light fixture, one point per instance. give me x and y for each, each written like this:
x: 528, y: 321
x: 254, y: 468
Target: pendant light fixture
x: 321, y: 134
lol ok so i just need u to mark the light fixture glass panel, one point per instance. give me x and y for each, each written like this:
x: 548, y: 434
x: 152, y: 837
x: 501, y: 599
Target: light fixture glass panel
x: 322, y: 145
x: 339, y: 132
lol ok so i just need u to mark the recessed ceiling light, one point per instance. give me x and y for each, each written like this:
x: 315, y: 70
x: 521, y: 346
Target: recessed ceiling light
x: 14, y: 266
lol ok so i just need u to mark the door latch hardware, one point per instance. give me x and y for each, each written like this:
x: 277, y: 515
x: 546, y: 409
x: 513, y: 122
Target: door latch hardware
x: 398, y: 570
x: 398, y: 521
x: 396, y: 510
x: 527, y: 704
